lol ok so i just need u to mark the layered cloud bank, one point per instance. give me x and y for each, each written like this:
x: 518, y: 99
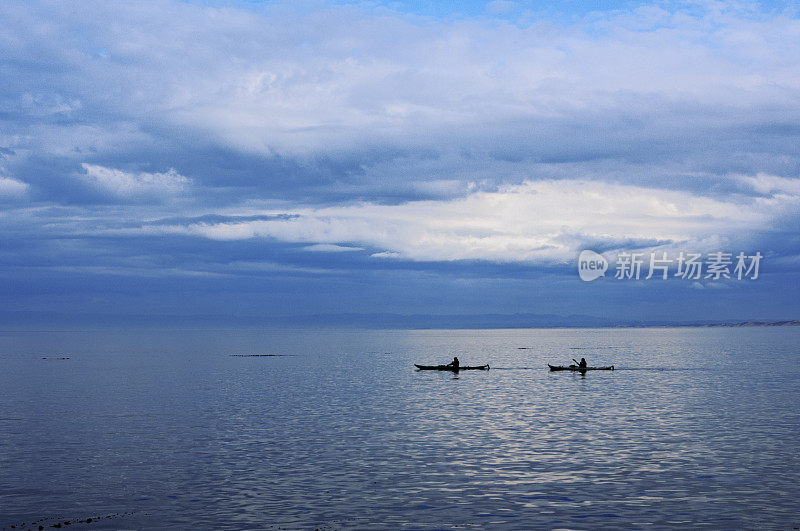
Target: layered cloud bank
x: 367, y: 102
x: 537, y: 222
x: 362, y: 138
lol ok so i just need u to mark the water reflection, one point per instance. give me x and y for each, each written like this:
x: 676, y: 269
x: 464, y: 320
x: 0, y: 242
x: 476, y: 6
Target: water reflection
x: 173, y: 432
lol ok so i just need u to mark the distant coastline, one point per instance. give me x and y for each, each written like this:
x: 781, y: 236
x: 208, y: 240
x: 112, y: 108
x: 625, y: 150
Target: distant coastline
x: 793, y: 322
x: 374, y: 321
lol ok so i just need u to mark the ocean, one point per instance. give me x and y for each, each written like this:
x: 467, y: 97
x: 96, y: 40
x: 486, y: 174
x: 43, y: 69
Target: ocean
x: 696, y: 427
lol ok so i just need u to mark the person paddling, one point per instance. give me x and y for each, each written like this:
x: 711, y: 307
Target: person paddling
x: 582, y: 364
x: 454, y: 364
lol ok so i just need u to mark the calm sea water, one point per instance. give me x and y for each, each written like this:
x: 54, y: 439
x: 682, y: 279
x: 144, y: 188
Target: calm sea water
x: 697, y: 427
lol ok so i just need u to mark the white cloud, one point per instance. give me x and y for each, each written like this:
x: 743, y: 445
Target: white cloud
x: 296, y: 81
x: 271, y: 267
x: 771, y: 184
x: 330, y: 248
x: 45, y: 104
x: 12, y: 187
x: 128, y: 185
x: 542, y: 221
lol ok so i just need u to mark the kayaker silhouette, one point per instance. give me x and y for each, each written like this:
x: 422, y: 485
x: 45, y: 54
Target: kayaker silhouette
x: 582, y: 364
x: 454, y: 364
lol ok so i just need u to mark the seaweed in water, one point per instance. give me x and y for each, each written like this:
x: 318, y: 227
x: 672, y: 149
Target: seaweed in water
x: 257, y: 355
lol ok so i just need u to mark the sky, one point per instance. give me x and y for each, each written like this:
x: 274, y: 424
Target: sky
x: 252, y: 161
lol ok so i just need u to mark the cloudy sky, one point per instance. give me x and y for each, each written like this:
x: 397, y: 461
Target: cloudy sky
x: 264, y: 159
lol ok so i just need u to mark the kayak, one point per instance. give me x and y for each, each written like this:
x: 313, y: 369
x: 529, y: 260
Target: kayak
x: 450, y: 368
x: 576, y: 368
